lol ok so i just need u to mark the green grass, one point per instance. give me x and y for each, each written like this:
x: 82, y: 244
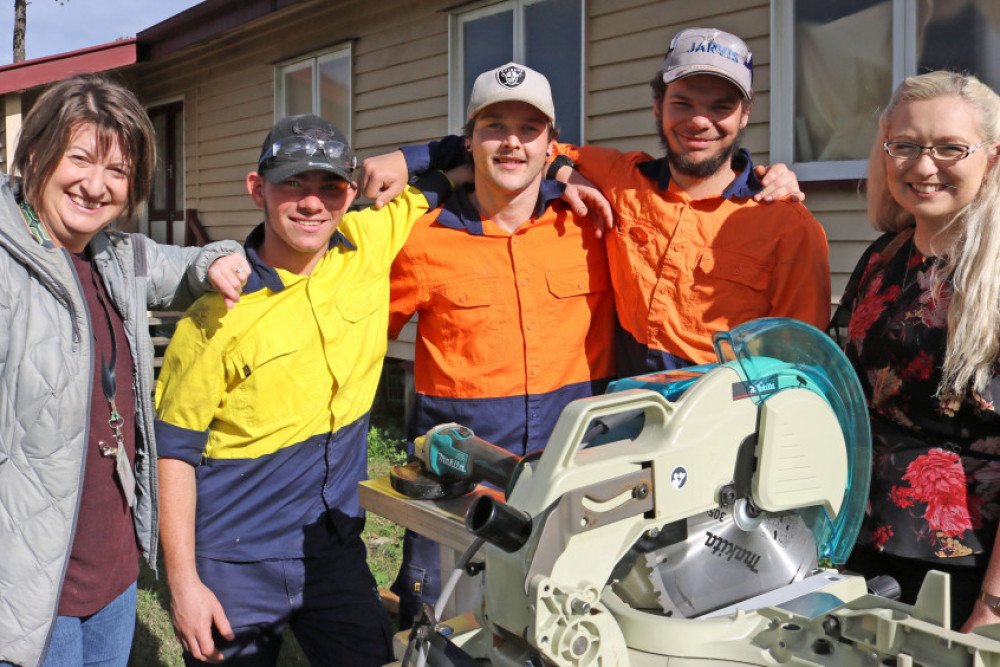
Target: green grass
x: 154, y: 643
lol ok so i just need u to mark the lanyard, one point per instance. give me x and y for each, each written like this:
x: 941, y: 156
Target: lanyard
x: 34, y: 224
x: 108, y: 385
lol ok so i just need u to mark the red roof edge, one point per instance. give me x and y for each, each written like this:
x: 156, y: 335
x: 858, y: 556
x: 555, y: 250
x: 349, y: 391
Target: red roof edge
x: 39, y: 71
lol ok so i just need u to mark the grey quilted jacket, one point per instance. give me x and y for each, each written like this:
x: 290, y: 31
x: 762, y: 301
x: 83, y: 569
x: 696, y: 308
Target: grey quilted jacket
x: 46, y: 371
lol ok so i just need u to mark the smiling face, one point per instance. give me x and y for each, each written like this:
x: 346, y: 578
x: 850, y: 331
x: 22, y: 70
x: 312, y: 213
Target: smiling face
x: 933, y: 191
x: 700, y: 119
x: 509, y: 144
x: 87, y: 191
x: 301, y: 213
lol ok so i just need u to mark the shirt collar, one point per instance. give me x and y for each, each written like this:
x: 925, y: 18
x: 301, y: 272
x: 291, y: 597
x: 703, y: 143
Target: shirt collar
x: 460, y: 213
x: 746, y: 183
x: 262, y: 274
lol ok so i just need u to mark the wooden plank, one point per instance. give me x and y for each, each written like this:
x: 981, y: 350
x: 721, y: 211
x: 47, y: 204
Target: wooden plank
x: 426, y: 46
x: 403, y: 93
x: 733, y: 16
x: 405, y: 72
x: 441, y: 520
x: 435, y: 108
x: 401, y: 134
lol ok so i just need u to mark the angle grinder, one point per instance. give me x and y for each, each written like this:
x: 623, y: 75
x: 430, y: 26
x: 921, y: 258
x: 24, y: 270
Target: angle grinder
x: 450, y: 460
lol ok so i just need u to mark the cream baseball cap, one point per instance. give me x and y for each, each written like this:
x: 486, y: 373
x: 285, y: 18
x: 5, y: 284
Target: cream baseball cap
x: 512, y: 83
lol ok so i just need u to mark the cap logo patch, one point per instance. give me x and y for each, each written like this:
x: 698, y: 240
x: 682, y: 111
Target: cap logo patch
x: 718, y: 49
x: 511, y: 77
x: 317, y: 133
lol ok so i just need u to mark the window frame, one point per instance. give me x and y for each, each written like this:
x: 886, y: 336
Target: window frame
x: 313, y: 61
x: 456, y: 54
x: 782, y: 144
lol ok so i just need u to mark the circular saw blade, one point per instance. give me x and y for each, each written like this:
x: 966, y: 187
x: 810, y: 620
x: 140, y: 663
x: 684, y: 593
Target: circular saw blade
x: 720, y: 564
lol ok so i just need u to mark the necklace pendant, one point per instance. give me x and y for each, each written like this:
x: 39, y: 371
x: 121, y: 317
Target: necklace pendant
x: 107, y: 450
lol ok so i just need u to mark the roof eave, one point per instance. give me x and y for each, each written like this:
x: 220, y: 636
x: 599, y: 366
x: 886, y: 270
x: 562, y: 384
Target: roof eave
x: 39, y: 71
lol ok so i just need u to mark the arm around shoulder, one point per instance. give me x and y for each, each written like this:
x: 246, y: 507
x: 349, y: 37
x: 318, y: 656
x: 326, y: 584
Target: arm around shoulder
x: 178, y: 276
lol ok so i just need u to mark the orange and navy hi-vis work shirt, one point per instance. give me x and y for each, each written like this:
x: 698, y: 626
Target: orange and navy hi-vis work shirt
x: 684, y: 268
x: 511, y: 326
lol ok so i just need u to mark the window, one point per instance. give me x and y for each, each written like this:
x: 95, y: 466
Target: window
x: 320, y: 85
x: 835, y: 64
x: 545, y: 35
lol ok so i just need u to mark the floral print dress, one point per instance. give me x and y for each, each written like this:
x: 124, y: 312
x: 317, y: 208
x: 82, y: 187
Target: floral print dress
x: 936, y: 461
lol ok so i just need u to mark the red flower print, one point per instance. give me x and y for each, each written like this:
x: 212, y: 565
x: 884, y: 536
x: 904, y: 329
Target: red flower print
x: 935, y: 311
x: 920, y: 368
x: 950, y: 520
x: 937, y: 477
x: 901, y: 496
x: 869, y: 308
x: 881, y: 536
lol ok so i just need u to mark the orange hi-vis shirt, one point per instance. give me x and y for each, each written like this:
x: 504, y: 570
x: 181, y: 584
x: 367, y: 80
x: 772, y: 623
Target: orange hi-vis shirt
x: 511, y: 326
x: 684, y: 268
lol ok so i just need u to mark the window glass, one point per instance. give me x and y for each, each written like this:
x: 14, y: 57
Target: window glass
x: 843, y: 75
x: 960, y: 36
x: 297, y: 89
x: 545, y: 35
x: 553, y: 47
x: 489, y: 43
x: 320, y: 85
x: 335, y: 89
x: 844, y: 58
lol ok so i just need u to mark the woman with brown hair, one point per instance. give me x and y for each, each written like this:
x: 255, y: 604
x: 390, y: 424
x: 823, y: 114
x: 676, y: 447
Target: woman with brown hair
x: 77, y: 457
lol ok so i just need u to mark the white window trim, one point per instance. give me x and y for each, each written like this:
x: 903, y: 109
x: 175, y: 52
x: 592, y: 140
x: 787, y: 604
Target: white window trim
x: 904, y: 63
x: 456, y: 56
x: 312, y: 61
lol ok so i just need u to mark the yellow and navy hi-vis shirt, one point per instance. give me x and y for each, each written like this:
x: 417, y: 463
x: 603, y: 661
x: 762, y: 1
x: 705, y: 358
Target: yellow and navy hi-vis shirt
x: 270, y: 400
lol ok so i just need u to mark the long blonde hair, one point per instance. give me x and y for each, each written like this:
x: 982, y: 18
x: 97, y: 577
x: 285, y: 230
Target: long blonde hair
x: 972, y: 252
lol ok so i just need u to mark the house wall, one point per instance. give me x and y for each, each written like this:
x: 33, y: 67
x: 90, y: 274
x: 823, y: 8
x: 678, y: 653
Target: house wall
x: 626, y: 41
x: 400, y: 92
x: 399, y: 89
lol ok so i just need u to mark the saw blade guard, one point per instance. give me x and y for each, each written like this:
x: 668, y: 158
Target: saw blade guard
x: 760, y: 349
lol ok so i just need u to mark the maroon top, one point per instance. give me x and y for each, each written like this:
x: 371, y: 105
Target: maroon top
x: 105, y: 558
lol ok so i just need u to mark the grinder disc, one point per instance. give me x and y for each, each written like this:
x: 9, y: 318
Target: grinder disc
x: 412, y: 481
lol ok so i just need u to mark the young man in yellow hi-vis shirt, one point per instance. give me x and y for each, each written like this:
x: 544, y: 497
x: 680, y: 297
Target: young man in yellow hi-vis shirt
x: 263, y: 418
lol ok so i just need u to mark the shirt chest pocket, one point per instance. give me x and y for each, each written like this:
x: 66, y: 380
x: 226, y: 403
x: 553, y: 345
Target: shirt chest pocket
x: 729, y: 288
x: 361, y: 301
x: 735, y: 267
x: 464, y: 322
x: 265, y: 379
x: 578, y: 281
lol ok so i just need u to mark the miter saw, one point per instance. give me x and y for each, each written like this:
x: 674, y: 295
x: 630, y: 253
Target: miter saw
x: 692, y: 517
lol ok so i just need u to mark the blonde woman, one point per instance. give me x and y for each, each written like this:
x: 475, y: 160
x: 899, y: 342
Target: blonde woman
x: 923, y: 337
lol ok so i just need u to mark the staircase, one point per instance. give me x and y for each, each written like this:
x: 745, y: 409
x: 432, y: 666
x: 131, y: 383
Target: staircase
x: 161, y: 328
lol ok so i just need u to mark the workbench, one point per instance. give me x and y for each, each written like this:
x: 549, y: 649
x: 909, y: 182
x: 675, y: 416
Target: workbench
x: 444, y: 520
